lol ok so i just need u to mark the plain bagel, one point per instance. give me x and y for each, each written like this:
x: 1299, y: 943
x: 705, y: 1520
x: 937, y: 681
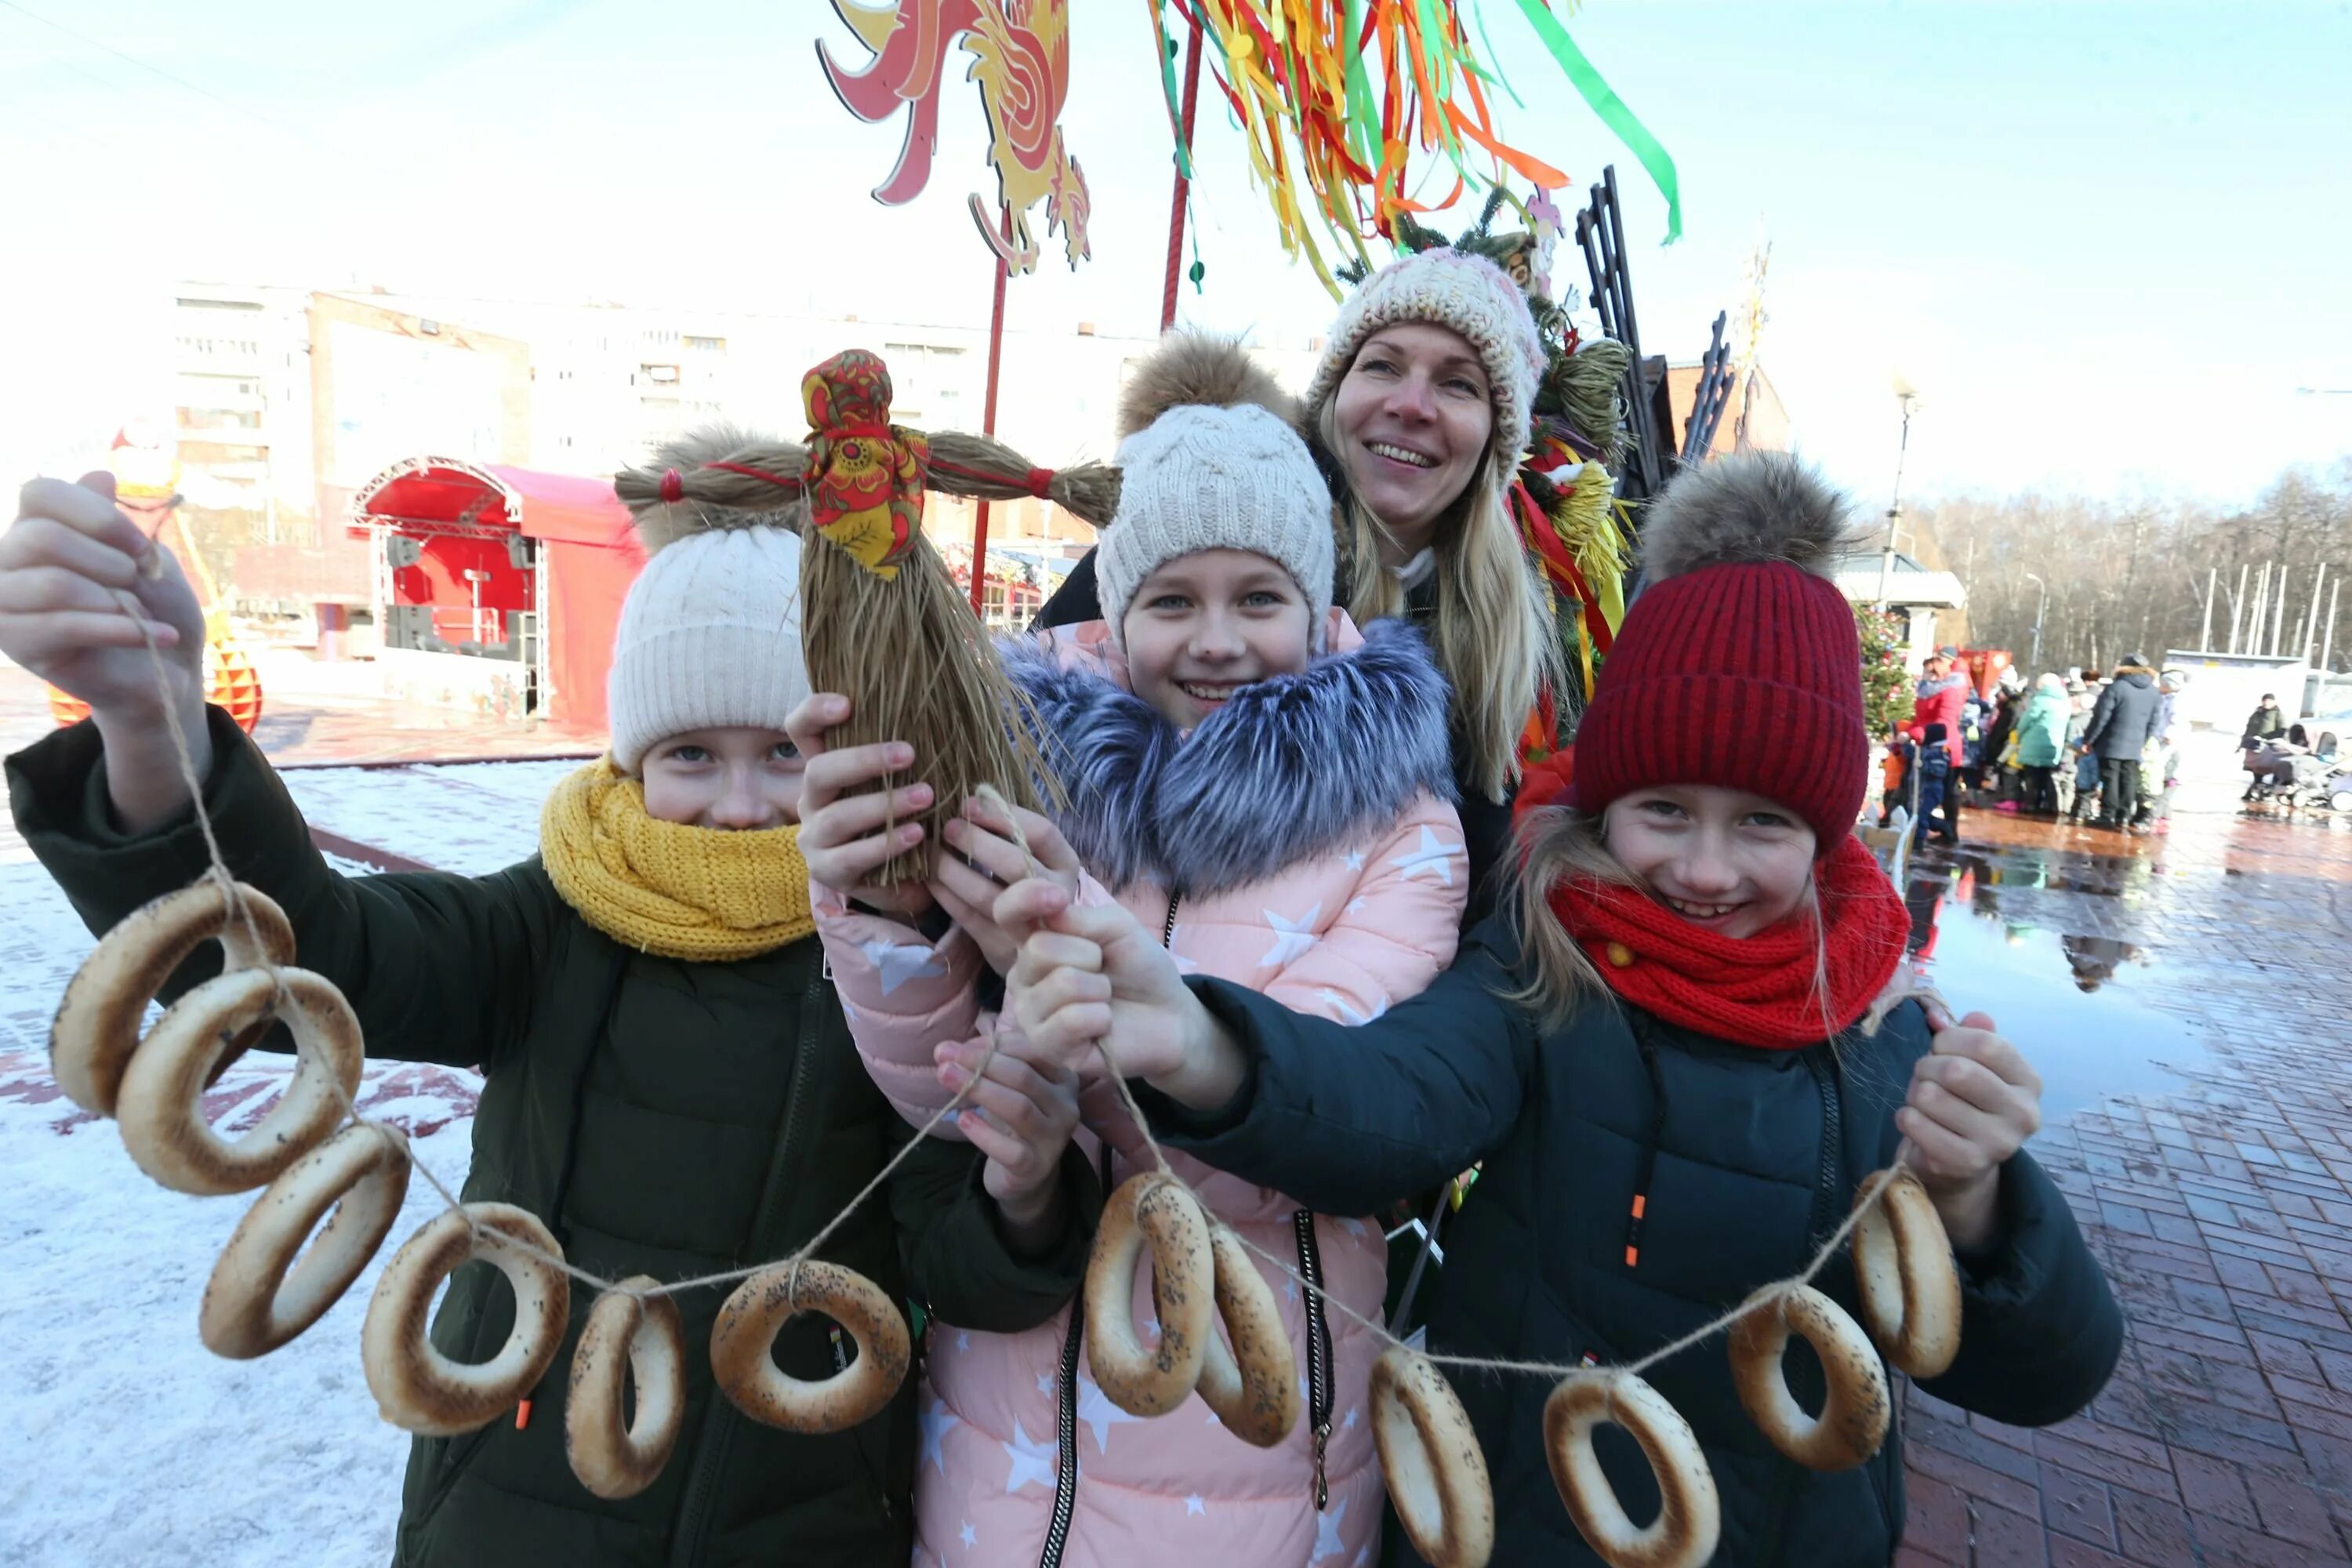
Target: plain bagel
x: 96, y: 1030
x: 1908, y: 1288
x: 1852, y: 1421
x: 1254, y: 1386
x: 1153, y: 1211
x: 1435, y: 1471
x: 748, y: 1375
x: 252, y: 1304
x: 627, y: 1338
x: 421, y: 1389
x: 1690, y: 1518
x: 159, y: 1106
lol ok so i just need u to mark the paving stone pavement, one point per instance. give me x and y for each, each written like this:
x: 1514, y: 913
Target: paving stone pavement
x: 2222, y: 1208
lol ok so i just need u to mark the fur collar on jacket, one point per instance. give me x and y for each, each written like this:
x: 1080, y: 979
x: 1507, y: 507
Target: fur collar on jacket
x: 1289, y: 768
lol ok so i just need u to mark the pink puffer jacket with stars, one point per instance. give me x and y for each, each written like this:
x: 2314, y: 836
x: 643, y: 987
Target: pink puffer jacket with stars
x: 1299, y: 842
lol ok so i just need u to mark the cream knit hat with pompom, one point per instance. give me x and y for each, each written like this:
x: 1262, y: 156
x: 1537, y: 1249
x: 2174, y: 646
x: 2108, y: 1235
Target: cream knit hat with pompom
x: 1468, y: 294
x: 1205, y: 478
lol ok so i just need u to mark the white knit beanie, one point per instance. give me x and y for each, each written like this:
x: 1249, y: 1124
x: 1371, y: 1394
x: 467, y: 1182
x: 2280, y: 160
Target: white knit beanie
x: 1469, y: 295
x: 709, y: 637
x: 1205, y: 478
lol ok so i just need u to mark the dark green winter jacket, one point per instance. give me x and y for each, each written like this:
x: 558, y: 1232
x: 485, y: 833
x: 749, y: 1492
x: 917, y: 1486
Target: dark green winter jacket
x: 664, y: 1118
x: 1745, y: 1158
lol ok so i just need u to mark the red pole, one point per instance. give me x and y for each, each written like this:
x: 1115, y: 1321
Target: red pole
x: 988, y: 414
x: 1176, y: 205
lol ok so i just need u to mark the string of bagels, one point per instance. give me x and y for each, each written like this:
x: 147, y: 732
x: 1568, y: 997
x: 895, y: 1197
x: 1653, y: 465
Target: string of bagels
x: 312, y: 1152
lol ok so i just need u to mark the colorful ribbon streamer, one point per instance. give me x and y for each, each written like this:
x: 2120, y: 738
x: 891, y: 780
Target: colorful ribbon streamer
x: 1603, y: 101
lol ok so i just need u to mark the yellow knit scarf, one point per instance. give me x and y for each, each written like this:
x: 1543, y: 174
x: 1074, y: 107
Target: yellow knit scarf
x: 695, y: 894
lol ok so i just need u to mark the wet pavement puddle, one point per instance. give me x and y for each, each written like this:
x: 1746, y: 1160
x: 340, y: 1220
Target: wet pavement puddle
x: 2075, y: 1003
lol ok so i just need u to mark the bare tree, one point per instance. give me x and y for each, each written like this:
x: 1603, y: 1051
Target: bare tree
x: 2123, y: 576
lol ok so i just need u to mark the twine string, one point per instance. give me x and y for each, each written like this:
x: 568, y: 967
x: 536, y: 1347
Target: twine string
x: 1164, y: 1174
x: 484, y: 1238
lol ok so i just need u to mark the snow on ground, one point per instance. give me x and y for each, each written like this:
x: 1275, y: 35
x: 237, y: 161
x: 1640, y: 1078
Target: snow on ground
x: 473, y: 818
x: 128, y: 1441
x: 470, y: 817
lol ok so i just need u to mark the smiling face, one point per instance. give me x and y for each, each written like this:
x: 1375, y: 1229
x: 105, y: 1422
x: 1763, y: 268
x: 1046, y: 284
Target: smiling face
x: 732, y: 778
x: 1203, y: 625
x: 1415, y: 414
x: 1731, y: 862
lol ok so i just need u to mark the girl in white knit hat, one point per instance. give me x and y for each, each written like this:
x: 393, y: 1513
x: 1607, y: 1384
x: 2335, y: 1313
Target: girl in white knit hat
x: 1418, y: 413
x: 668, y: 1081
x: 1270, y: 791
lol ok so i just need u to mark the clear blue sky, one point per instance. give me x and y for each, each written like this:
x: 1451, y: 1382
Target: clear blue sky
x: 2107, y: 241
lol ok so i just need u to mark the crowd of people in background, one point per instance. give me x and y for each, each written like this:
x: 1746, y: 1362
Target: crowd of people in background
x: 2102, y: 752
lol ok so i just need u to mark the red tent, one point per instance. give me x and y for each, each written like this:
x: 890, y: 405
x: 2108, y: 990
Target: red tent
x: 486, y: 543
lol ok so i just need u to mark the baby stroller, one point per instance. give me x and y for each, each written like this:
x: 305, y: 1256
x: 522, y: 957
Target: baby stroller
x: 2335, y: 789
x: 2288, y: 776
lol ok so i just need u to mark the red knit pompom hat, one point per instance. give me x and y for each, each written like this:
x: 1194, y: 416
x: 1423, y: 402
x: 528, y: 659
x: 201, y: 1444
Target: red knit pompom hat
x: 1738, y: 664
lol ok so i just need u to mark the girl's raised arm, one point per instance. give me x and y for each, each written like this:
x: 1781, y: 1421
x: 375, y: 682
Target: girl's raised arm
x: 1343, y: 1119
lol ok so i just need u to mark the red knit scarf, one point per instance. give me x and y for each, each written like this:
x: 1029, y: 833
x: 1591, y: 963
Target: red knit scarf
x: 1759, y: 990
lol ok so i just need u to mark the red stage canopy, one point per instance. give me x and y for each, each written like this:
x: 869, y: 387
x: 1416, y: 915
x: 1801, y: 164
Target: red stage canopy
x: 591, y: 553
x: 449, y: 490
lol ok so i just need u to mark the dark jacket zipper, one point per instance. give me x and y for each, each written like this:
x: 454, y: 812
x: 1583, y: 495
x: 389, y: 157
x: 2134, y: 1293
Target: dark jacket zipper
x: 1065, y: 1479
x: 720, y: 1419
x: 1826, y: 1192
x: 1318, y: 1352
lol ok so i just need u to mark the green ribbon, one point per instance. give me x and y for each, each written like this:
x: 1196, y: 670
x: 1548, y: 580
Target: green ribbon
x: 1168, y: 86
x: 1363, y: 118
x: 1496, y: 75
x: 1604, y: 102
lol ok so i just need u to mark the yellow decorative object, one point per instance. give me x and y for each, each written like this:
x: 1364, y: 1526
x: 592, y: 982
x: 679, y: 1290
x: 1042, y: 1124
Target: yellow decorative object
x: 701, y: 894
x: 1021, y: 62
x: 1586, y: 519
x: 865, y: 475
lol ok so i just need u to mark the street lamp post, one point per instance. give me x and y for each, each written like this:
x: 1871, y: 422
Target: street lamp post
x: 2033, y: 663
x: 1910, y: 400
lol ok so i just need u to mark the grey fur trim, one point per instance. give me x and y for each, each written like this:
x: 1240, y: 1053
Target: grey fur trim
x: 662, y: 525
x: 1750, y: 507
x: 1290, y: 768
x: 1200, y: 367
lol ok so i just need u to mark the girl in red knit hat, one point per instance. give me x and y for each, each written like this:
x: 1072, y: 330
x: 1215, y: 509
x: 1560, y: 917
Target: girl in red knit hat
x: 1676, y: 1063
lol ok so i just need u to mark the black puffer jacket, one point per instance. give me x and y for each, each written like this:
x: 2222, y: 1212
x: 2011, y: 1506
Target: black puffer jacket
x: 2128, y: 710
x: 1747, y: 1159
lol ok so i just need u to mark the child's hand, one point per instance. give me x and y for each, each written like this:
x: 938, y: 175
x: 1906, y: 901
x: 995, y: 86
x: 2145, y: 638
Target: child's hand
x: 1020, y: 1115
x: 1973, y: 1103
x: 846, y: 836
x: 62, y: 563
x: 1092, y: 975
x: 967, y: 883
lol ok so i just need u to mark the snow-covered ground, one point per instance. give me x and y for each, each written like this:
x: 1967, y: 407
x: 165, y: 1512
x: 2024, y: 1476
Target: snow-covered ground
x: 126, y: 1441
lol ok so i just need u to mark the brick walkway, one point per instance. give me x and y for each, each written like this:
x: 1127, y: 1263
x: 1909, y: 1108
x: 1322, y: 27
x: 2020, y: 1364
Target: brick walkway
x: 2221, y: 1209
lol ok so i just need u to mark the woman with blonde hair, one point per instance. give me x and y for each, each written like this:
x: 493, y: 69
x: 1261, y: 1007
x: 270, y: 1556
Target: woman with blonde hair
x: 1418, y: 412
